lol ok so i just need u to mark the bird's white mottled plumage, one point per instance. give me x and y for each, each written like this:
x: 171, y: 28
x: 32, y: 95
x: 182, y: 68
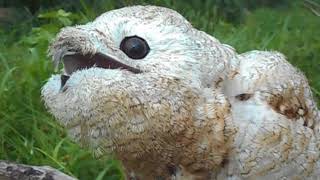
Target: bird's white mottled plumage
x: 198, y: 110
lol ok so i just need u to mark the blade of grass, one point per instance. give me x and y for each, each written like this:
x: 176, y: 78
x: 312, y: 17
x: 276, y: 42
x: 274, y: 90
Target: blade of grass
x: 61, y: 166
x: 5, y: 78
x: 57, y: 148
x: 103, y: 172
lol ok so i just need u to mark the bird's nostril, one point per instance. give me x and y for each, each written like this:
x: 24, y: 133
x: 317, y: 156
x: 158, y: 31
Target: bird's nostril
x: 64, y: 79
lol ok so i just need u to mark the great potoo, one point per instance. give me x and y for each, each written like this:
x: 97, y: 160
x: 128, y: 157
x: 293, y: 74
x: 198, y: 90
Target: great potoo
x: 172, y: 102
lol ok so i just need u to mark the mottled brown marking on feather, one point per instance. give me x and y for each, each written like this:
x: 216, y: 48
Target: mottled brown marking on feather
x: 290, y: 104
x: 218, y: 83
x: 233, y: 74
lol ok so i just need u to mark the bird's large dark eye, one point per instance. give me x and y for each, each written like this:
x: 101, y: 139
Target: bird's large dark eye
x: 135, y: 47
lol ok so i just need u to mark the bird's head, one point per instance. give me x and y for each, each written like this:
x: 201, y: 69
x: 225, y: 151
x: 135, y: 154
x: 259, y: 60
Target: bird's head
x: 133, y: 74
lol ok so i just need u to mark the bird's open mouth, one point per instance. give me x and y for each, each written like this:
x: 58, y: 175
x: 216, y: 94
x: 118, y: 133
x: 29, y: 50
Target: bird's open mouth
x: 75, y: 62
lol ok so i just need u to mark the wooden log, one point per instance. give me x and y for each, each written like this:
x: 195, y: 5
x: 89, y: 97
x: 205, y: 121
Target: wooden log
x: 13, y: 171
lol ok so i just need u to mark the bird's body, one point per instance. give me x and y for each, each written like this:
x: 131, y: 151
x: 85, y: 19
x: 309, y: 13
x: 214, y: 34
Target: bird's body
x: 172, y: 102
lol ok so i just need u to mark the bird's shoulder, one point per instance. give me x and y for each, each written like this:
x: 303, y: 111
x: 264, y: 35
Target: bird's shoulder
x: 275, y: 116
x: 268, y: 77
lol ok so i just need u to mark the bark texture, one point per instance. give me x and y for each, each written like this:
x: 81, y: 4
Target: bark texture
x: 13, y: 171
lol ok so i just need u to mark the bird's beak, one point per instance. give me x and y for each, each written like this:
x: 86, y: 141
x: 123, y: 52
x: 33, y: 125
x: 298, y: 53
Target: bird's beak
x: 76, y: 48
x: 77, y: 61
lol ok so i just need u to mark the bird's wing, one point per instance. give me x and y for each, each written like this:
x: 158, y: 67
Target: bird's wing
x: 275, y: 116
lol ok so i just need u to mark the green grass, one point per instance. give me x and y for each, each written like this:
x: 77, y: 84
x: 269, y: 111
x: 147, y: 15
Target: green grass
x: 28, y: 134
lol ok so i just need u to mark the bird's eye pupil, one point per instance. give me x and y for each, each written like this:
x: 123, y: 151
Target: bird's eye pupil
x: 135, y: 47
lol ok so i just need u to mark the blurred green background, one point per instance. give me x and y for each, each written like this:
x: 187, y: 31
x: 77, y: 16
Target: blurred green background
x: 28, y: 134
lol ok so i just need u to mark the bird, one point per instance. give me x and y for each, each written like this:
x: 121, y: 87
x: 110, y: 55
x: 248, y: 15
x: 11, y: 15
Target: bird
x: 173, y: 102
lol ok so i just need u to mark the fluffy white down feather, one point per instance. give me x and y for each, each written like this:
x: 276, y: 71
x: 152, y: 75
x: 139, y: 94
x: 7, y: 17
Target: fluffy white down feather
x: 197, y: 110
